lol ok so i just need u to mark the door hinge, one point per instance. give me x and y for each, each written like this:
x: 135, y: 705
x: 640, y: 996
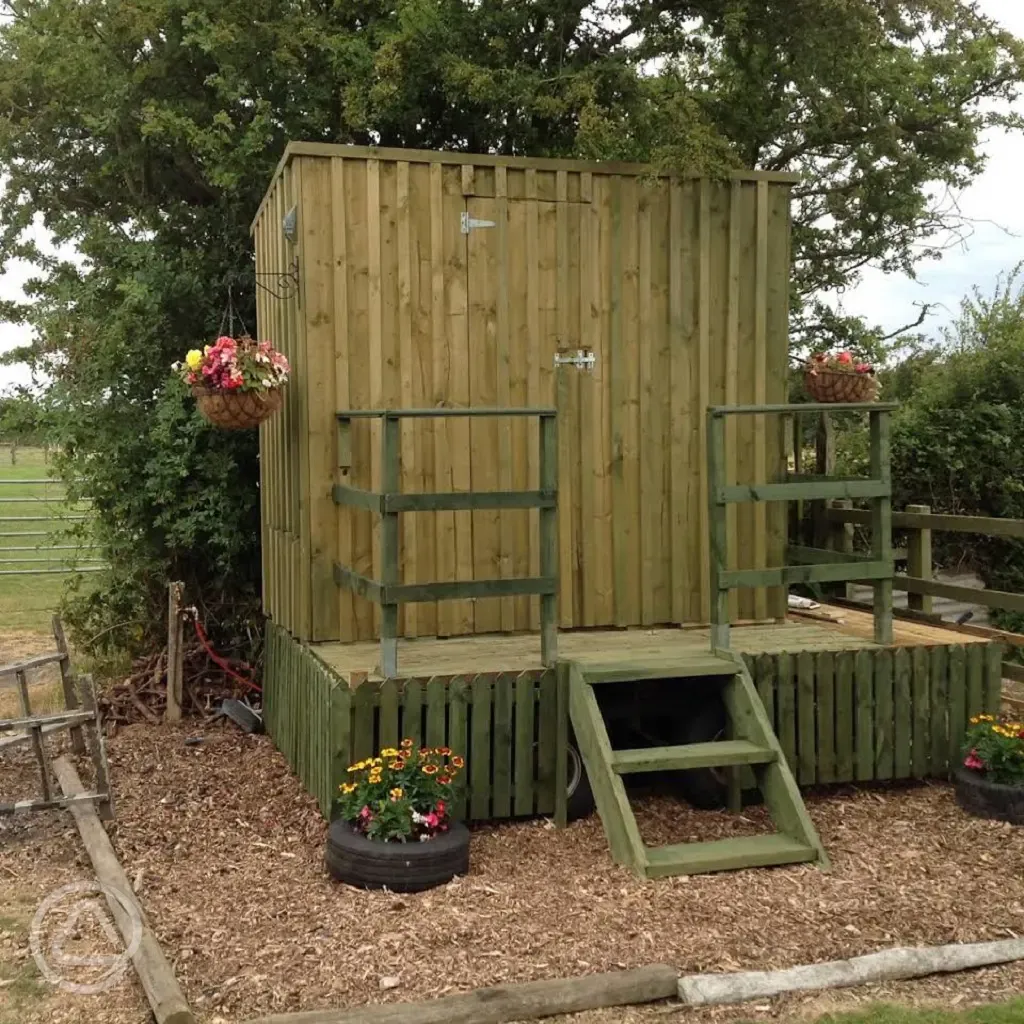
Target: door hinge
x: 582, y: 359
x: 469, y: 223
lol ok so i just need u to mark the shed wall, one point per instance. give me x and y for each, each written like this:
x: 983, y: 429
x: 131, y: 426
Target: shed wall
x: 678, y: 286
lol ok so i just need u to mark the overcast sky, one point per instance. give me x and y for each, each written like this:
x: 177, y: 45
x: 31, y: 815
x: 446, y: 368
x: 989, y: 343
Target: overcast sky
x: 995, y: 245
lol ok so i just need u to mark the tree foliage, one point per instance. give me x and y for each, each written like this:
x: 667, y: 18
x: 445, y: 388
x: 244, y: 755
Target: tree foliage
x: 143, y: 134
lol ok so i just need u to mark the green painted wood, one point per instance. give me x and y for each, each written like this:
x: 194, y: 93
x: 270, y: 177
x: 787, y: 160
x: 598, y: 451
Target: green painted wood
x: 884, y: 715
x: 609, y: 793
x: 864, y: 698
x: 797, y: 553
x: 460, y: 501
x: 388, y: 723
x: 727, y: 855
x: 920, y: 742
x: 692, y: 666
x: 785, y: 703
x: 357, y: 583
x: 547, y: 740
x: 412, y: 712
x: 363, y: 739
x: 993, y: 685
x: 807, y: 756
x: 718, y: 754
x: 825, y: 708
x: 412, y: 593
x: 938, y: 758
x: 802, y: 491
x: 501, y: 745
x: 390, y: 553
x: 341, y: 734
x: 788, y: 575
x: 548, y: 533
x: 845, y: 721
x: 881, y: 523
x: 903, y: 707
x: 990, y: 598
x: 458, y: 736
x: 356, y: 497
x: 718, y: 553
x: 975, y: 680
x: 436, y: 694
x: 561, y: 685
x: 988, y: 527
x: 957, y: 697
x: 524, y: 751
x: 798, y: 409
x: 481, y: 755
x: 766, y: 686
x: 544, y: 412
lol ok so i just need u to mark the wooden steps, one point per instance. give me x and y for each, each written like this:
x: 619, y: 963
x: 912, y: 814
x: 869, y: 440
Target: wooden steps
x: 727, y: 855
x: 753, y: 744
x: 691, y: 755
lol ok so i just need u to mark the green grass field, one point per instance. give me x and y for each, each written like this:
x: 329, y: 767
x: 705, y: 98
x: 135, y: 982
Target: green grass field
x: 997, y: 1013
x: 26, y: 543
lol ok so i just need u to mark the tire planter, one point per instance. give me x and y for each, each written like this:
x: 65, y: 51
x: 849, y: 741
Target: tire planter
x: 236, y: 410
x: 579, y: 796
x: 400, y: 867
x: 984, y: 799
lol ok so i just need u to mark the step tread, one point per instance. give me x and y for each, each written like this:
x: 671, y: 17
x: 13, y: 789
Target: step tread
x: 687, y: 668
x: 727, y: 855
x: 687, y: 756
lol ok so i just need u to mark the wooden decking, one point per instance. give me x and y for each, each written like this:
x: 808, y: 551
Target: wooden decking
x: 652, y: 647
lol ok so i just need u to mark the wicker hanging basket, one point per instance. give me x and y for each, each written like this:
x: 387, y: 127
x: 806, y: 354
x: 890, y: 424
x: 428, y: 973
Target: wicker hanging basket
x: 836, y: 386
x: 237, y: 410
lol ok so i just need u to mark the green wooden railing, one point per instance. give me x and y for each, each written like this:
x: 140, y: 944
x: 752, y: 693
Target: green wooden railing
x: 389, y: 592
x: 813, y: 565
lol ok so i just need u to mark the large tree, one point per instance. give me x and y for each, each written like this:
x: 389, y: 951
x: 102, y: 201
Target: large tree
x: 143, y: 133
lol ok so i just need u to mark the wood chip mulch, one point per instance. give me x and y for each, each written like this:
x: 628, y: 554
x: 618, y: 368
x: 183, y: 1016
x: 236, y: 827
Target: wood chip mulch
x: 225, y: 849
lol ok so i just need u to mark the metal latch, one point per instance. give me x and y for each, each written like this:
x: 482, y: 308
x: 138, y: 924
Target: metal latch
x: 582, y: 359
x: 469, y: 223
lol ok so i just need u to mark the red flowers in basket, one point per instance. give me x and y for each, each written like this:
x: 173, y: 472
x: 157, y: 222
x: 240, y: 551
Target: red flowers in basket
x: 842, y: 362
x: 231, y: 364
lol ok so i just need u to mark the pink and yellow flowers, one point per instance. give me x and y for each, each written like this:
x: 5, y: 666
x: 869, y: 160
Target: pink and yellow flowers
x: 995, y: 747
x: 235, y: 364
x: 841, y: 362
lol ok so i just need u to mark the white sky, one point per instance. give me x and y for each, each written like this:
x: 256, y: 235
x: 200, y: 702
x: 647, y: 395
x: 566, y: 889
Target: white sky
x: 995, y: 245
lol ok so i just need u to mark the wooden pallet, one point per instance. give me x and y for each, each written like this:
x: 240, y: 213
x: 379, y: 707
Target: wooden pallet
x: 752, y: 745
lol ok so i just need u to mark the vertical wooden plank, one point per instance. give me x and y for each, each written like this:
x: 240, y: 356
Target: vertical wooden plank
x: 38, y: 743
x: 766, y: 685
x: 807, y: 759
x: 704, y: 384
x: 939, y: 758
x: 533, y: 360
x: 716, y: 542
x: 920, y: 754
x: 390, y: 482
x: 648, y: 440
x: 785, y: 698
x: 437, y: 719
x: 548, y: 518
x: 919, y: 560
x: 844, y: 717
x: 884, y: 719
x: 881, y: 524
x: 504, y: 703
x: 903, y: 707
x: 679, y: 411
x: 525, y: 719
x: 561, y: 782
x: 387, y: 719
x: 412, y: 712
x: 362, y: 727
x: 825, y: 671
x: 547, y: 741
x: 481, y: 753
x: 377, y: 344
x: 993, y: 688
x: 957, y: 698
x: 975, y: 680
x: 760, y: 387
x: 732, y: 362
x: 567, y: 387
x: 865, y: 726
x: 458, y: 736
x: 618, y: 358
x: 341, y: 734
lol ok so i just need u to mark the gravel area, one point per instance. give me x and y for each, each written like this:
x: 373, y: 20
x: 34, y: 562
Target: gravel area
x: 225, y: 849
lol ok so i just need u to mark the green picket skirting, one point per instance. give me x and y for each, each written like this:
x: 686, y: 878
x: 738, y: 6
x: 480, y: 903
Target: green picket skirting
x: 840, y: 716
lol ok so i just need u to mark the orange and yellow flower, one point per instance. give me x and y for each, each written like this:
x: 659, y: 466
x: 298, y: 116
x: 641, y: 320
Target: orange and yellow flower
x: 429, y: 769
x: 458, y: 762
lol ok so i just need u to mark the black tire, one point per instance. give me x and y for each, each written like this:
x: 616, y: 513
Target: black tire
x: 704, y: 788
x: 984, y: 799
x: 399, y: 867
x: 580, y: 797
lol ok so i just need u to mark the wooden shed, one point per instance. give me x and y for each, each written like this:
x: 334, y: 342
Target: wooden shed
x: 628, y: 300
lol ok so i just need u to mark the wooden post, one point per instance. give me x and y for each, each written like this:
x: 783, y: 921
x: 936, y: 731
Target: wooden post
x: 798, y: 468
x: 68, y: 683
x: 919, y: 560
x: 175, y: 651
x: 825, y: 465
x: 390, y: 441
x: 718, y: 541
x: 38, y: 742
x: 549, y: 540
x: 97, y: 747
x: 841, y: 536
x: 881, y: 523
x: 562, y: 744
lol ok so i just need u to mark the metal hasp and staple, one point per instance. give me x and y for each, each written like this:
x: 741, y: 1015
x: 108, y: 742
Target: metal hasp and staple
x: 814, y: 565
x: 581, y: 359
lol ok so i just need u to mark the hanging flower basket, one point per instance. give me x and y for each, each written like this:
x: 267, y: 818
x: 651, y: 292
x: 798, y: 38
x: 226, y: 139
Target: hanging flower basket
x: 237, y: 383
x: 839, y: 378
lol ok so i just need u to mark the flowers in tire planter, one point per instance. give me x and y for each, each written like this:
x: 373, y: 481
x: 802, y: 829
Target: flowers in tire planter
x: 995, y: 749
x: 404, y: 794
x: 235, y: 364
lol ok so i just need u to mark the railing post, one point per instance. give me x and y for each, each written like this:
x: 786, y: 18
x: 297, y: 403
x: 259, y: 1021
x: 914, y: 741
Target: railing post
x: 919, y: 559
x: 549, y: 539
x: 825, y: 465
x: 881, y: 523
x: 390, y: 484
x: 718, y: 541
x: 841, y: 537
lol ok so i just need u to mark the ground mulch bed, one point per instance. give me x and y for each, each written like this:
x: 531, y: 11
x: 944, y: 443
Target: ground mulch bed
x: 225, y: 849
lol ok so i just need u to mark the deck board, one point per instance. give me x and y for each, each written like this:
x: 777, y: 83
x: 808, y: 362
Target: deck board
x: 428, y: 656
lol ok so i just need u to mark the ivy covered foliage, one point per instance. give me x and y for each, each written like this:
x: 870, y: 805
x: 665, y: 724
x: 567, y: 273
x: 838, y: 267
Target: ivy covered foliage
x: 143, y: 135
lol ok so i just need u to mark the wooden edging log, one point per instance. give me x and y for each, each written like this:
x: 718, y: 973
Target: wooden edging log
x: 162, y: 990
x: 503, y: 1003
x: 889, y: 965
